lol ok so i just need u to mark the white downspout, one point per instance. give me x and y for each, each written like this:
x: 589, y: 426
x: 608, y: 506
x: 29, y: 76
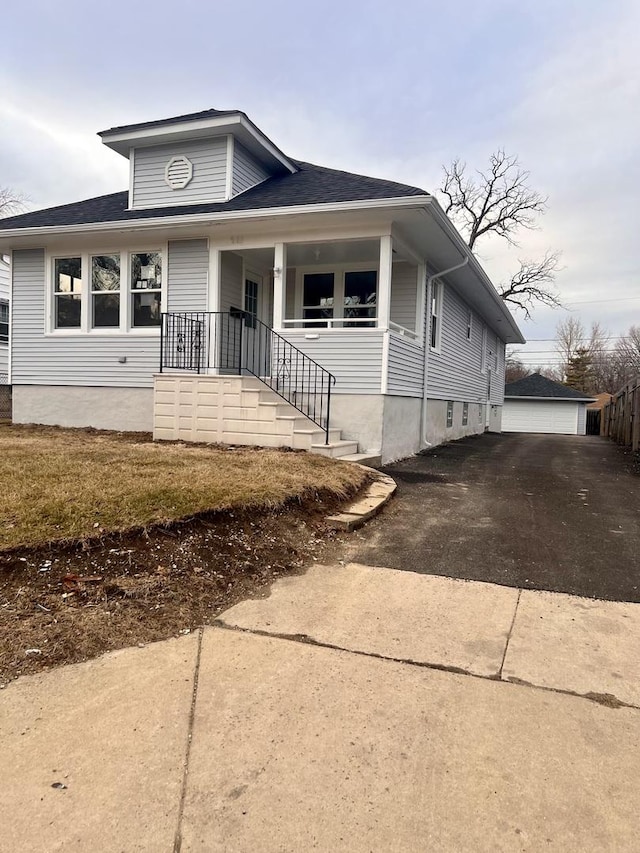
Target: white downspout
x: 427, y: 344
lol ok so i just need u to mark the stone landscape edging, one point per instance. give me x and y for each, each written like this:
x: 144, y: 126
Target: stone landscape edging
x: 376, y: 495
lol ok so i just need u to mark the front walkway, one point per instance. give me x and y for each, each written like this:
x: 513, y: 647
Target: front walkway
x: 354, y: 709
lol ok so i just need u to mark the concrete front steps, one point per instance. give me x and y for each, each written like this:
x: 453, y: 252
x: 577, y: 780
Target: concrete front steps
x: 237, y: 410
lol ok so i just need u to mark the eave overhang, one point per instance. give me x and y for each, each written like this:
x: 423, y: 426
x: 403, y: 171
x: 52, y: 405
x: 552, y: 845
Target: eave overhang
x: 122, y: 140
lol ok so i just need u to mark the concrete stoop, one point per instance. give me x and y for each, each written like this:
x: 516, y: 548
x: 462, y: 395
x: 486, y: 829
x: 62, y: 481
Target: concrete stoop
x: 236, y: 410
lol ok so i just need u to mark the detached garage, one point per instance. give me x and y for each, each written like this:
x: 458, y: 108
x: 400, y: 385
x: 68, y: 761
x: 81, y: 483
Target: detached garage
x: 538, y: 404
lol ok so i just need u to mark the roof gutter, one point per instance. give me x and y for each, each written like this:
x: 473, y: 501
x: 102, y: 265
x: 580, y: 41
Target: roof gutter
x: 423, y: 420
x: 213, y: 218
x: 447, y: 226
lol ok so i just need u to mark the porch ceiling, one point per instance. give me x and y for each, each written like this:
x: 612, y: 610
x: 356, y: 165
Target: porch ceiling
x: 317, y: 253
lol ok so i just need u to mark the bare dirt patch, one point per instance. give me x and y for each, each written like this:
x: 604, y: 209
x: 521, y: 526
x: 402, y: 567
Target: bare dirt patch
x: 148, y: 540
x: 65, y: 604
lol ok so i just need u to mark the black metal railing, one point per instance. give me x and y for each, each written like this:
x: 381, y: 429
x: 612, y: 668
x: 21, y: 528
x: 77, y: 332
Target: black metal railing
x: 236, y: 342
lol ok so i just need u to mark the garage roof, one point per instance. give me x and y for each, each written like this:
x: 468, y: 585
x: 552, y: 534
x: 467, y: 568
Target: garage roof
x: 538, y: 387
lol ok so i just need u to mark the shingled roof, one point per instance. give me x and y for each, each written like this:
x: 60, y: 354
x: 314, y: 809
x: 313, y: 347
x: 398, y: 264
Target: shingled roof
x: 537, y: 386
x: 309, y: 185
x: 202, y: 114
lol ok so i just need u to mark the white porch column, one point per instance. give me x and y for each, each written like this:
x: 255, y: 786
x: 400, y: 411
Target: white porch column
x: 214, y: 301
x: 279, y: 284
x: 384, y: 281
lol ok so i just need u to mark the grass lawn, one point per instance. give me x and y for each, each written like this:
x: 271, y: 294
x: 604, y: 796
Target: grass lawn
x: 77, y: 484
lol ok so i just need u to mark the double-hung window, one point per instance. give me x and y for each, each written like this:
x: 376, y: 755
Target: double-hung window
x: 343, y: 297
x: 146, y: 289
x: 105, y: 291
x: 4, y: 321
x: 67, y: 289
x: 436, y: 316
x: 318, y: 297
x: 360, y: 297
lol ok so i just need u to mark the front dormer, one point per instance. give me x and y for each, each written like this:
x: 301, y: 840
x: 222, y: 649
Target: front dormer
x: 200, y: 158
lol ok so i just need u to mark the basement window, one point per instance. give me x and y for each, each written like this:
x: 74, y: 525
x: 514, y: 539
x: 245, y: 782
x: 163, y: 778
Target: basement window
x: 465, y: 414
x: 449, y: 413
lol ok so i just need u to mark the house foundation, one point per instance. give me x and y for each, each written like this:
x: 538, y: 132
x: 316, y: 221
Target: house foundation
x: 122, y: 409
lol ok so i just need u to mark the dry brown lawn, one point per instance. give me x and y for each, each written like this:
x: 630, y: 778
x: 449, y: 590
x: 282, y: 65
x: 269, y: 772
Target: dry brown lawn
x: 61, y: 484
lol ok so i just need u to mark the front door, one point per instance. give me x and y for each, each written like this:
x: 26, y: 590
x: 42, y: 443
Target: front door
x: 257, y: 338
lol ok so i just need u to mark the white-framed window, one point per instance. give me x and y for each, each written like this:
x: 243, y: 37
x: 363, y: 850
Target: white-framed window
x: 105, y: 292
x: 4, y: 321
x: 146, y: 289
x: 465, y: 414
x: 338, y: 296
x: 435, y: 340
x: 483, y: 351
x: 67, y: 292
x: 469, y: 324
x: 449, y: 413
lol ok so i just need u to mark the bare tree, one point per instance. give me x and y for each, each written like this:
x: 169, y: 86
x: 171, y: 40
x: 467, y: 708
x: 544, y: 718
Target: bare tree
x: 533, y: 283
x: 570, y: 337
x: 500, y: 201
x: 11, y: 202
x: 514, y: 368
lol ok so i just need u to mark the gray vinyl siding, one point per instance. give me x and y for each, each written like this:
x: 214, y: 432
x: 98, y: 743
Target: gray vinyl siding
x: 354, y: 356
x: 82, y: 359
x: 403, y: 295
x: 231, y: 285
x: 188, y: 275
x: 209, y: 181
x: 406, y: 367
x: 247, y: 172
x: 4, y: 294
x: 455, y: 372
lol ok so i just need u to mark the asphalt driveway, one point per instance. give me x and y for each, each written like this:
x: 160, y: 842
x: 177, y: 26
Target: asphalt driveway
x: 559, y: 513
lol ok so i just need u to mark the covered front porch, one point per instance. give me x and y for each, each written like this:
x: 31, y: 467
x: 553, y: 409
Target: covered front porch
x: 324, y: 326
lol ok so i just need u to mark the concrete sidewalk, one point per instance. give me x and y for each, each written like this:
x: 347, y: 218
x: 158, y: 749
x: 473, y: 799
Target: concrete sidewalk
x: 354, y: 709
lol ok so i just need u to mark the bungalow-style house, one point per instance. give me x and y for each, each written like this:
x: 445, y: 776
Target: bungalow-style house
x: 538, y: 404
x: 234, y: 294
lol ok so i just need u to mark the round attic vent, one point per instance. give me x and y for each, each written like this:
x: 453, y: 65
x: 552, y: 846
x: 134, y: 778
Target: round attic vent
x: 178, y: 172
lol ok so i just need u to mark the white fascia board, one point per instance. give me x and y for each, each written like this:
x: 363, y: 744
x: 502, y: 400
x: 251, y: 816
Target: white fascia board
x: 213, y: 218
x: 447, y: 226
x: 123, y: 141
x: 550, y: 399
x: 267, y: 144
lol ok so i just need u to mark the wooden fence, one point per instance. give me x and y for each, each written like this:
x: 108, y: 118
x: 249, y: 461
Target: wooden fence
x: 621, y: 417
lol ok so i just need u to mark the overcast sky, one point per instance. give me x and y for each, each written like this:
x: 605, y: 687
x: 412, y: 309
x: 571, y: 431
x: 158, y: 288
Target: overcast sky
x: 387, y: 89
